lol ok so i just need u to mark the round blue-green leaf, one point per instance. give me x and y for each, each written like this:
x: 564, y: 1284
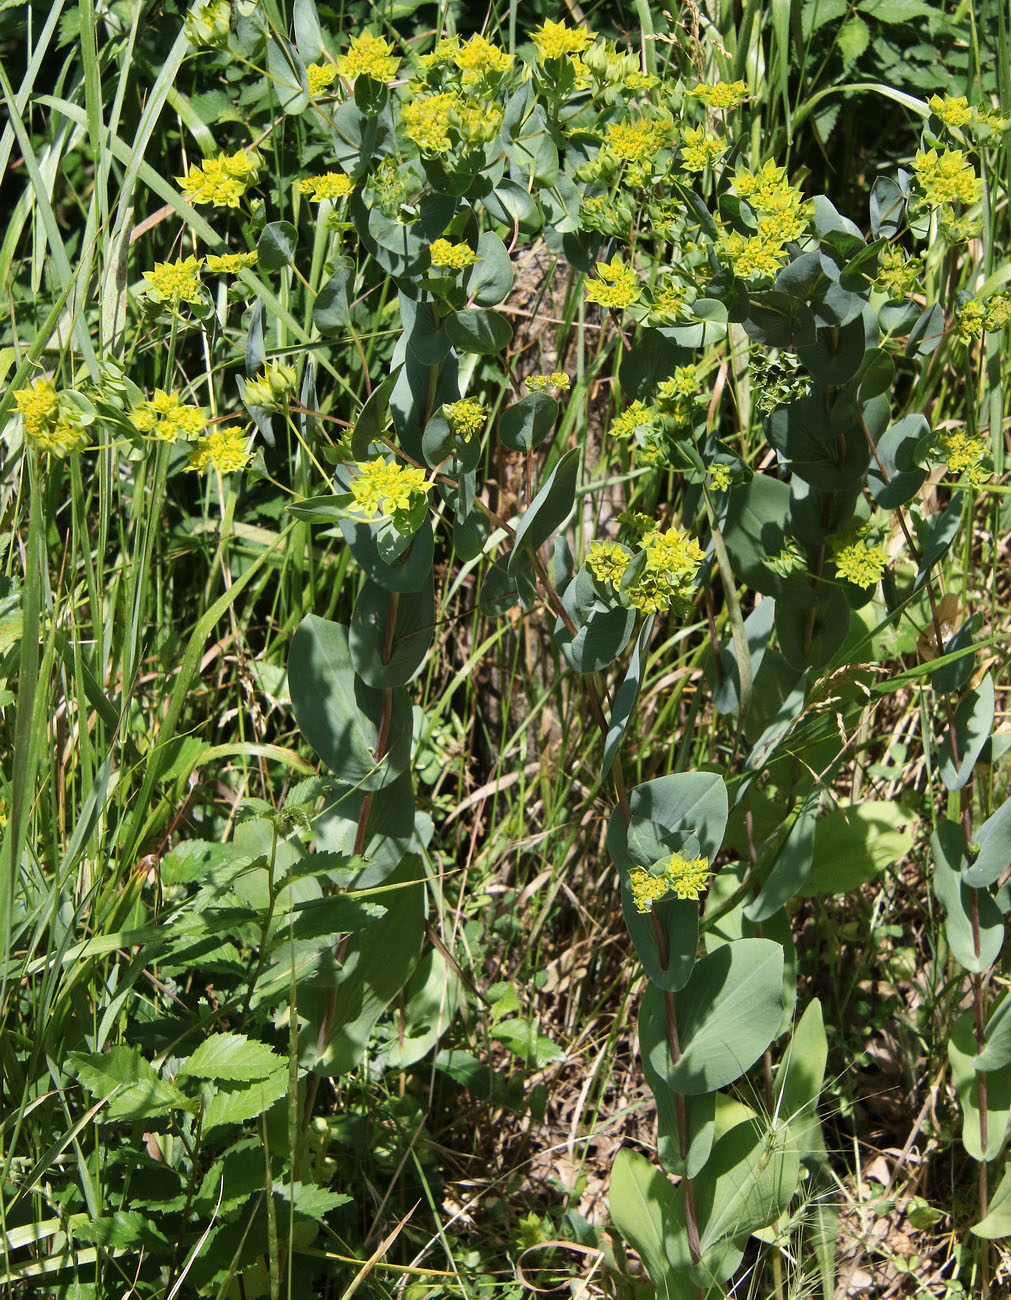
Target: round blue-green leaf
x: 993, y: 840
x: 511, y: 205
x: 599, y: 641
x: 961, y: 1056
x: 700, y: 1111
x: 385, y: 657
x: 682, y: 803
x: 728, y: 1014
x: 648, y: 1211
x: 526, y: 423
x: 973, y: 720
x: 276, y: 246
x: 412, y: 566
x: 960, y: 905
x: 339, y: 715
x: 330, y: 310
x: 479, y: 330
x: 492, y: 275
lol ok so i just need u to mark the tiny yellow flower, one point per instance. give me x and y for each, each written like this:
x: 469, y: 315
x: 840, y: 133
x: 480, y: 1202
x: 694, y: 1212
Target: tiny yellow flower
x: 320, y: 77
x: 538, y: 383
x: 862, y: 565
x: 224, y: 450
x: 897, y: 273
x: 947, y: 177
x: 209, y: 24
x: 369, y: 56
x: 466, y: 417
x: 684, y: 877
x: 722, y: 95
x: 480, y: 57
x: 637, y: 415
x: 617, y: 287
x: 49, y: 425
x: 607, y: 561
x: 456, y: 257
x: 387, y: 486
x: 228, y: 263
x: 221, y: 181
x: 952, y: 110
x: 700, y: 148
x: 971, y: 320
x: 175, y: 282
x: 720, y: 478
x: 166, y: 417
x: 328, y: 185
x: 556, y: 40
x: 965, y: 455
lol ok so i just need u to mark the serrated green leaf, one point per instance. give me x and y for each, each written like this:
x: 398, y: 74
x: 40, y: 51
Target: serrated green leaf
x: 234, y: 1103
x: 231, y: 1056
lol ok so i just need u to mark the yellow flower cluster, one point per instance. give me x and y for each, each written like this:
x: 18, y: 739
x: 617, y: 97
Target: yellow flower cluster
x: 479, y: 57
x: 779, y: 206
x: 430, y: 119
x: 668, y: 300
x: 971, y: 317
x: 638, y: 140
x: 556, y: 40
x: 750, y: 255
x: 166, y: 417
x: 720, y: 478
x: 466, y: 417
x: 636, y: 415
x: 897, y: 273
x: 385, y: 484
x: 607, y: 561
x: 952, y: 110
x: 48, y: 423
x: 228, y: 263
x: 454, y: 256
x: 223, y: 449
x: 175, y: 282
x: 222, y: 180
x: 965, y: 454
x: 722, y: 95
x: 328, y: 185
x: 369, y: 56
x: 617, y: 287
x: 700, y: 148
x: 673, y: 560
x: 947, y: 177
x: 684, y: 877
x: 538, y: 383
x: 860, y: 564
x: 676, y: 396
x: 320, y: 77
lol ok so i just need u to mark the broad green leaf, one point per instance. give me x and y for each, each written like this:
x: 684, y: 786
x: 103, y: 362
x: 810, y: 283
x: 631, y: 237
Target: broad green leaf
x: 522, y: 1037
x: 799, y: 1082
x: 526, y: 423
x: 138, y: 1091
x: 549, y: 509
x: 996, y: 1222
x: 308, y: 35
x: 338, y: 714
x: 789, y: 871
x: 234, y: 1103
x: 626, y: 698
x: 477, y: 329
x: 124, y: 1230
x: 727, y: 1013
x: 993, y: 841
x: 973, y: 720
x: 956, y: 897
x: 961, y: 1055
x: 854, y: 844
x: 287, y: 77
x: 431, y: 999
x: 231, y: 1056
x: 492, y: 275
x: 330, y: 311
x: 700, y: 1110
x: 385, y: 656
x: 310, y: 1200
x: 599, y: 641
x: 276, y: 246
x: 996, y: 1051
x: 341, y: 1004
x: 649, y: 1212
x: 746, y: 1184
x: 852, y: 39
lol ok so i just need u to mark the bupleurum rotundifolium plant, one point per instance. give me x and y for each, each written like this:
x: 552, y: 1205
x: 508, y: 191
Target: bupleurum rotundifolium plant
x: 429, y: 171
